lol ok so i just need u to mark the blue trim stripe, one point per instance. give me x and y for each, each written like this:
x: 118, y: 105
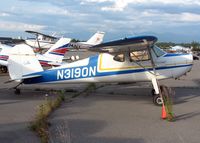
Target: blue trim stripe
x: 175, y: 54
x: 140, y: 70
x: 64, y: 46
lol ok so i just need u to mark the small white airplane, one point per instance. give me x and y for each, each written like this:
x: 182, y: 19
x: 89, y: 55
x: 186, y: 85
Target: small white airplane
x: 53, y: 57
x: 42, y: 41
x: 96, y: 39
x: 135, y: 59
x: 4, y: 52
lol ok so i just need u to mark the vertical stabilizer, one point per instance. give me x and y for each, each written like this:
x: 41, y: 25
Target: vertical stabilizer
x: 96, y: 39
x: 22, y: 61
x: 57, y: 51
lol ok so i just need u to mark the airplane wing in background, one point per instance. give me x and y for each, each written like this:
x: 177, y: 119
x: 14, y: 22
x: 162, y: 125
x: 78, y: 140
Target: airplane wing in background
x: 38, y: 33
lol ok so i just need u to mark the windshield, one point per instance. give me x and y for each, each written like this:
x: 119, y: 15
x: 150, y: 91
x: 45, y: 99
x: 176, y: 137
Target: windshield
x: 159, y: 52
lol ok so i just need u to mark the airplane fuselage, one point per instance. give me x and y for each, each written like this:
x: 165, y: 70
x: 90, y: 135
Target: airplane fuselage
x: 103, y: 68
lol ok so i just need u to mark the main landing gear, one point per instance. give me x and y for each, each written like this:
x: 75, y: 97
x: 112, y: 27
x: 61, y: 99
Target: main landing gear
x: 166, y: 94
x: 157, y: 100
x: 3, y: 69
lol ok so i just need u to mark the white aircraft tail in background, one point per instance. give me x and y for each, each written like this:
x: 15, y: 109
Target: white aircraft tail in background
x: 96, y: 39
x: 55, y: 55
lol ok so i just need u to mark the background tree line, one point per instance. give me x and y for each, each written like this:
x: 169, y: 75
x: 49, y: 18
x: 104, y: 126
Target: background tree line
x: 167, y: 45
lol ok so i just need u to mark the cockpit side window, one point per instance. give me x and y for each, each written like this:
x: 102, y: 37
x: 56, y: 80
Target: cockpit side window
x: 139, y: 55
x: 119, y: 57
x: 159, y: 52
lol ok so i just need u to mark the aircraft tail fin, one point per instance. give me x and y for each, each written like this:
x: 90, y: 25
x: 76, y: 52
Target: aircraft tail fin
x: 22, y: 61
x: 96, y: 39
x: 58, y: 50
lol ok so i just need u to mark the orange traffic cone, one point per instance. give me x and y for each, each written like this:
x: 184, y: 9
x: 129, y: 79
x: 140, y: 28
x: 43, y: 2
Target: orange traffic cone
x: 164, y: 113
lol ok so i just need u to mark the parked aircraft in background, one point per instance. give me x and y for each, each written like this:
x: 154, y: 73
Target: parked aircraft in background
x: 4, y: 52
x: 41, y: 41
x: 96, y: 39
x: 180, y: 49
x: 134, y: 59
x: 10, y: 41
x: 53, y: 57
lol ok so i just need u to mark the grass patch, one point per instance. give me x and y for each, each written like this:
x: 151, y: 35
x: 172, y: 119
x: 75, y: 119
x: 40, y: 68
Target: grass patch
x: 40, y: 125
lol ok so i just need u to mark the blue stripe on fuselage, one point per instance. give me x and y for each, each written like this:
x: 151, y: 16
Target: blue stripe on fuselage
x: 175, y: 54
x: 66, y: 73
x: 85, y: 72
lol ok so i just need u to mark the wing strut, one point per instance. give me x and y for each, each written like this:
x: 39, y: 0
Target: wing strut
x: 37, y: 35
x: 154, y: 78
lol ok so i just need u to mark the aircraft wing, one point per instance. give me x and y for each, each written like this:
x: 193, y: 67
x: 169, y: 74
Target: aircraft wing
x: 38, y: 33
x: 125, y: 45
x: 9, y: 40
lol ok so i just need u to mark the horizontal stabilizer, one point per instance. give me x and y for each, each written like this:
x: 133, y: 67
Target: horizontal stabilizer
x: 24, y: 77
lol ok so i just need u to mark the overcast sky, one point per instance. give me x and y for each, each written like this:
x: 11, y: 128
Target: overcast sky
x: 169, y: 20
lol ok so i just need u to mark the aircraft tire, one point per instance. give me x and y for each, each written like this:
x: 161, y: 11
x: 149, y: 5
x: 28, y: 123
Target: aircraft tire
x: 4, y: 69
x: 157, y: 100
x: 166, y: 93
